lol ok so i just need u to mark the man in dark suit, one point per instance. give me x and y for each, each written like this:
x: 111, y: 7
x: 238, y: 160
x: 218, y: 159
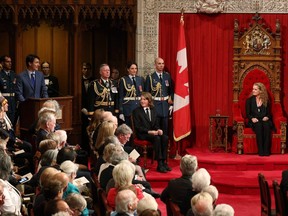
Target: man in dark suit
x: 147, y: 128
x: 50, y: 81
x: 130, y: 88
x: 8, y: 86
x: 30, y: 83
x: 159, y: 84
x: 180, y: 190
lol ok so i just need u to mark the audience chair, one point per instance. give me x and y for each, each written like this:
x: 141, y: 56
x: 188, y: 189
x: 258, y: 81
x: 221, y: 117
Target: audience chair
x: 104, y: 208
x: 172, y: 209
x: 279, y: 199
x: 265, y: 197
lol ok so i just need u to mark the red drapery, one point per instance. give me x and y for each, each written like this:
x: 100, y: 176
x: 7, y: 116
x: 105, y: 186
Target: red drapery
x: 209, y: 41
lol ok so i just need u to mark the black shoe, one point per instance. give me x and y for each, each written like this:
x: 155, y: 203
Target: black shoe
x: 167, y: 167
x: 161, y: 169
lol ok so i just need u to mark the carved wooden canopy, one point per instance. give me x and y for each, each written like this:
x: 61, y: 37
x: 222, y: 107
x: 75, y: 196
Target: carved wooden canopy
x: 257, y: 47
x: 58, y: 12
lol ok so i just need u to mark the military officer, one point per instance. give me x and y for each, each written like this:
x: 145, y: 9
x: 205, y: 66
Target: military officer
x: 130, y: 88
x: 159, y: 84
x: 8, y: 85
x: 103, y: 92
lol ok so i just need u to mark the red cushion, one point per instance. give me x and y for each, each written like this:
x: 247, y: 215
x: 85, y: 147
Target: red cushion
x: 142, y: 142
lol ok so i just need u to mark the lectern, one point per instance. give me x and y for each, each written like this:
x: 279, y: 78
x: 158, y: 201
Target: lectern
x: 29, y: 113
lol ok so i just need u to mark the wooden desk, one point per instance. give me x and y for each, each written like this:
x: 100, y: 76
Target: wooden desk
x: 218, y: 131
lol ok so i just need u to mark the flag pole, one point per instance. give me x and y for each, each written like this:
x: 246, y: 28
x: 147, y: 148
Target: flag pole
x: 177, y: 156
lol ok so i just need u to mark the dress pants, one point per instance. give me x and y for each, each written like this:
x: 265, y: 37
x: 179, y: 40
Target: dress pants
x: 262, y: 130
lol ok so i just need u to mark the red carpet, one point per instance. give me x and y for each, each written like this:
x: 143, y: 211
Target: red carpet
x: 235, y: 176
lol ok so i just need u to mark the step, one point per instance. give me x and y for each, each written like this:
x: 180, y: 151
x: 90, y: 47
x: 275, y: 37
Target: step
x: 242, y: 182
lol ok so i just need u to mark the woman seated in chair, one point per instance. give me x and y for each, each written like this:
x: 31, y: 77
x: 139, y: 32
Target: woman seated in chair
x: 147, y: 128
x: 260, y: 119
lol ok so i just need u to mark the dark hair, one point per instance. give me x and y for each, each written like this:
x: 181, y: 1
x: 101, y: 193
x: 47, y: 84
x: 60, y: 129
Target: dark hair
x: 64, y: 154
x: 4, y: 134
x: 2, y: 58
x: 45, y: 62
x: 30, y: 58
x: 87, y: 64
x: 130, y: 63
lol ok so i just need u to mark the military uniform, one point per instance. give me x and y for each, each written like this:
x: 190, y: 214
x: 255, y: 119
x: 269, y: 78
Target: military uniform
x: 7, y: 89
x: 161, y: 91
x: 103, y: 96
x: 53, y: 86
x: 129, y: 95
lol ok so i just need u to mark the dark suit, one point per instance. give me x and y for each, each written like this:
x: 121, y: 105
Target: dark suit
x: 53, y: 86
x: 180, y: 191
x: 129, y: 95
x: 261, y: 128
x: 26, y: 90
x: 7, y: 88
x: 143, y: 125
x: 160, y: 91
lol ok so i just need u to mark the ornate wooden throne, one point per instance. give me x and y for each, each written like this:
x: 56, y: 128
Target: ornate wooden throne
x: 257, y: 58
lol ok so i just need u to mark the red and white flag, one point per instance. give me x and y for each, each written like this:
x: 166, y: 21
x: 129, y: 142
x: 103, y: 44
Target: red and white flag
x: 181, y: 113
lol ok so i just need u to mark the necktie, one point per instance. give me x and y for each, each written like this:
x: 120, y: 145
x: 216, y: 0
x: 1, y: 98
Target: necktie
x: 32, y: 79
x: 160, y: 77
x: 107, y: 84
x: 148, y: 114
x: 134, y: 82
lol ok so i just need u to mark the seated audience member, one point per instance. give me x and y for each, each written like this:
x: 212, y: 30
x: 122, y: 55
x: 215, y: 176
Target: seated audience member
x: 148, y: 202
x: 107, y: 154
x: 12, y: 201
x: 95, y: 121
x: 200, y: 179
x: 126, y: 202
x: 123, y: 133
x: 212, y: 190
x: 47, y: 123
x: 55, y: 206
x: 106, y: 174
x: 284, y: 188
x: 107, y: 128
x: 147, y: 128
x: 110, y: 139
x: 223, y: 210
x: 77, y: 204
x: 60, y: 137
x: 48, y: 106
x: 202, y: 205
x: 123, y: 174
x: 44, y: 179
x: 150, y: 212
x: 180, y: 190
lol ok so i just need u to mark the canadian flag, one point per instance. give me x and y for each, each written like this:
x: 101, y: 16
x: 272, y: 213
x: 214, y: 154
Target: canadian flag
x: 181, y: 113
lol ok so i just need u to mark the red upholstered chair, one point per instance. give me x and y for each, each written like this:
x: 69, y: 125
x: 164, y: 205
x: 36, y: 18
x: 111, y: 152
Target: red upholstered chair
x: 256, y: 63
x: 143, y: 144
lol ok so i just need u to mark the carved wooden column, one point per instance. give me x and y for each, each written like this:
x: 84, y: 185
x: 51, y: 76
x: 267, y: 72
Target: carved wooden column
x: 75, y: 86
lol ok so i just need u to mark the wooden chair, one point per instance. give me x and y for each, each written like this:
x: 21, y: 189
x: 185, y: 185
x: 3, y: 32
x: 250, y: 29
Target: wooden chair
x: 256, y: 62
x: 279, y: 199
x: 173, y: 209
x: 104, y: 208
x: 265, y: 197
